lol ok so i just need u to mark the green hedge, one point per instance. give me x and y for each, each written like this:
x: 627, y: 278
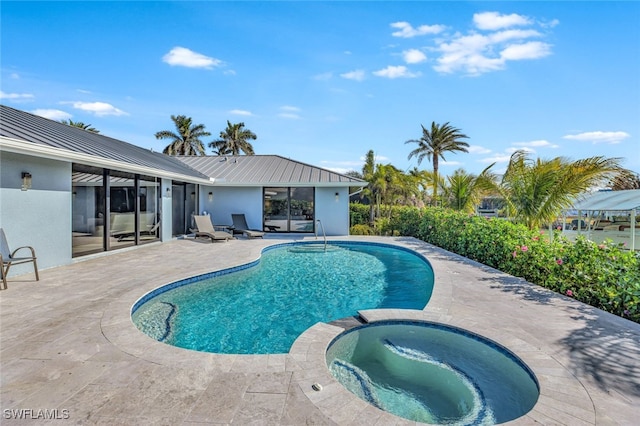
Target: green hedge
x: 605, y: 276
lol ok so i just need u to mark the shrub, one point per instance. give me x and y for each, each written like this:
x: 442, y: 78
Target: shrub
x: 361, y: 230
x: 605, y: 276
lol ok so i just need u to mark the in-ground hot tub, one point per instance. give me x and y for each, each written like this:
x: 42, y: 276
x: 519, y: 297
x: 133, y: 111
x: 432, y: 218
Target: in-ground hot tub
x: 432, y: 373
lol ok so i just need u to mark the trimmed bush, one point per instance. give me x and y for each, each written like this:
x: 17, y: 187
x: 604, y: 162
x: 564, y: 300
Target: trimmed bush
x: 605, y: 276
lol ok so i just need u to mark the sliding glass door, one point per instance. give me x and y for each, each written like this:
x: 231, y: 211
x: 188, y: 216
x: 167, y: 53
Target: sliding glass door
x: 289, y: 209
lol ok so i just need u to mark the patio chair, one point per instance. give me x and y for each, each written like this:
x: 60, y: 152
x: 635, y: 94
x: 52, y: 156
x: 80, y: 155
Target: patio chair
x: 205, y: 229
x: 240, y: 227
x: 9, y: 258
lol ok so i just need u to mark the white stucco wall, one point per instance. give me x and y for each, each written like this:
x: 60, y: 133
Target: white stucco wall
x: 167, y: 211
x: 41, y: 216
x: 229, y: 200
x: 334, y: 213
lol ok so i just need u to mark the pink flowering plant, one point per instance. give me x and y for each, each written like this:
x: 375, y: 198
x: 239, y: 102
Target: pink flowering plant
x: 606, y: 276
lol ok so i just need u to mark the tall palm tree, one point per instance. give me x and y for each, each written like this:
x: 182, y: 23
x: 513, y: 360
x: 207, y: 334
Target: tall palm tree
x: 233, y: 140
x: 536, y: 191
x: 434, y: 143
x: 80, y: 125
x: 187, y: 140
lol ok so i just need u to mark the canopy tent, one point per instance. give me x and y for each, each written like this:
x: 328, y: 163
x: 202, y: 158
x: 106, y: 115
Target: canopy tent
x: 606, y: 202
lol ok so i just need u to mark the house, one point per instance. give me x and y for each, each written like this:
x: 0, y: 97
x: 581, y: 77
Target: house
x: 70, y: 193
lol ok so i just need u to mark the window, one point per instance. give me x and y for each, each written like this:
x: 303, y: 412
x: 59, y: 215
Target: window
x: 288, y: 209
x: 112, y: 209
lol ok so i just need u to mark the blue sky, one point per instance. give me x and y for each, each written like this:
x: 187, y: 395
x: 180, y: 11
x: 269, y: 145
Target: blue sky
x: 324, y: 82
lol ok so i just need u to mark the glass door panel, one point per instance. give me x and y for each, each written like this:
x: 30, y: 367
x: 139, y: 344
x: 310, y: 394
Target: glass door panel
x: 87, y: 210
x: 276, y: 209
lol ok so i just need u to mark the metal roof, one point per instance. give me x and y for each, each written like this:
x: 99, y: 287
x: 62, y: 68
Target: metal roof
x: 266, y: 170
x: 610, y: 201
x: 33, y: 129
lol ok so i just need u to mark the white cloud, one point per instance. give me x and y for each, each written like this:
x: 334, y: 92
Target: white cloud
x: 52, y: 114
x: 181, y: 56
x: 16, y: 96
x: 527, y: 149
x: 599, y: 137
x: 399, y: 71
x: 15, y: 76
x: 475, y: 54
x: 498, y: 158
x: 357, y: 75
x: 530, y: 50
x: 98, y: 108
x: 407, y: 31
x: 289, y: 112
x: 240, y: 112
x: 495, y: 21
x: 414, y: 56
x: 451, y: 163
x: 289, y: 108
x: 536, y: 144
x: 476, y: 149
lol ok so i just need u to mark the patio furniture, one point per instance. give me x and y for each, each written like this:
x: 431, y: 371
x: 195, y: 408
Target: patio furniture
x: 9, y: 258
x: 205, y: 229
x: 240, y: 227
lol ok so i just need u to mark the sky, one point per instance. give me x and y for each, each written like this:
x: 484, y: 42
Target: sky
x: 325, y: 82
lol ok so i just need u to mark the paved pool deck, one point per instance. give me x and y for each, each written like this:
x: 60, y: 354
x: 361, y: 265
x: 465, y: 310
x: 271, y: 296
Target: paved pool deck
x: 67, y: 343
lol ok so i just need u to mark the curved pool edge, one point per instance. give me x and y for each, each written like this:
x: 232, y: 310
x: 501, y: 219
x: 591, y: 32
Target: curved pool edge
x: 562, y: 398
x: 344, y: 407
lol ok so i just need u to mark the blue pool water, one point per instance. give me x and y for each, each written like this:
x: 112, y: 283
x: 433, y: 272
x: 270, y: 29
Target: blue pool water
x: 432, y: 373
x: 263, y: 308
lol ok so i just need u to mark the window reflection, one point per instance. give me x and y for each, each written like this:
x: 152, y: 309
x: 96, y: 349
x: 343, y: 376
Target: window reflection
x: 289, y: 209
x: 87, y: 207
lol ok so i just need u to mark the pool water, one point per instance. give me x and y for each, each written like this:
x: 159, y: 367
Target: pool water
x: 432, y: 373
x: 262, y: 309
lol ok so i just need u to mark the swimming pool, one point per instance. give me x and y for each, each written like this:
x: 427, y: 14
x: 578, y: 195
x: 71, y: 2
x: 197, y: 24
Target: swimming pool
x: 264, y: 306
x: 432, y: 373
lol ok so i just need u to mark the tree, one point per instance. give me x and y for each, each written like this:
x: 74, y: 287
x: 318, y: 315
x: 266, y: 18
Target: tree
x: 463, y: 191
x: 536, y: 191
x: 187, y: 140
x: 80, y: 125
x: 627, y: 179
x: 233, y: 140
x: 434, y: 143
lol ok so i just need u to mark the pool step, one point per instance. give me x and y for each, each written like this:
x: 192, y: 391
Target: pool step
x: 348, y: 323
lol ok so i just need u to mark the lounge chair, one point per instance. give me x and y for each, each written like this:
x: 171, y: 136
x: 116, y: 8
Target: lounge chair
x: 240, y: 227
x: 8, y: 258
x: 205, y: 229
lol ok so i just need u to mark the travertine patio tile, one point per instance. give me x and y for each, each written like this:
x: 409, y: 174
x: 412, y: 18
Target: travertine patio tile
x: 81, y: 352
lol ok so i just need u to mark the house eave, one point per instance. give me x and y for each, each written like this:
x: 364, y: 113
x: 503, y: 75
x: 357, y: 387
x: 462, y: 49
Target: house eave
x: 43, y: 151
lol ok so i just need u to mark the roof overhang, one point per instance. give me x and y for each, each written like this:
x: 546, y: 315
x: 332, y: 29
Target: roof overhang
x: 222, y: 182
x: 43, y: 151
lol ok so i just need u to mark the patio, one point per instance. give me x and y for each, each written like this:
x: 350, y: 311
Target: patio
x: 68, y: 344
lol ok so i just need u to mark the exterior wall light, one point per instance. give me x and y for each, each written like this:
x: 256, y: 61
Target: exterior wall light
x: 26, y: 181
x: 193, y: 196
x: 337, y: 196
x: 211, y: 196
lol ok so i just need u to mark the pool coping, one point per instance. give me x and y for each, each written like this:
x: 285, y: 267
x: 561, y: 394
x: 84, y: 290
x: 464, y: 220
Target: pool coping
x: 334, y: 401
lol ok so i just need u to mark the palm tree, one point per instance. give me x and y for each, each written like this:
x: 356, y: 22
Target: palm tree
x: 187, y: 140
x: 463, y: 191
x: 627, y: 179
x: 536, y: 191
x: 80, y: 125
x: 434, y: 143
x: 233, y: 140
